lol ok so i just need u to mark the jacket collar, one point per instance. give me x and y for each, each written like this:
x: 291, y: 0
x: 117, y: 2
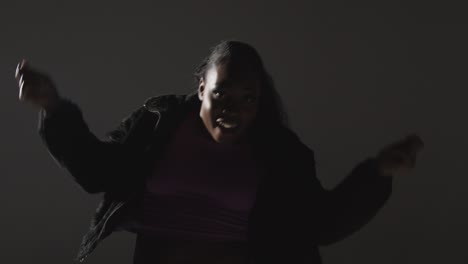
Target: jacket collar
x: 158, y: 104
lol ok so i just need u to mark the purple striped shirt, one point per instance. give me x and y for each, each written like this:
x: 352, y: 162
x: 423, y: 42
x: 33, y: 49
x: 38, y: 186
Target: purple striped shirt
x: 200, y: 189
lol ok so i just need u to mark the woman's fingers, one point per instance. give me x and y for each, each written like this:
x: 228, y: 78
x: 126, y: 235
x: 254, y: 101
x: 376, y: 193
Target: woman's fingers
x: 20, y: 68
x: 21, y: 88
x: 18, y: 71
x: 27, y: 87
x: 401, y: 155
x: 28, y: 81
x: 395, y: 162
x: 34, y: 86
x: 413, y: 147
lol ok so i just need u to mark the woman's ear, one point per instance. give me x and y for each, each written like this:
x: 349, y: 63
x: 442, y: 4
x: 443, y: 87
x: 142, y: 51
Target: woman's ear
x: 201, y: 88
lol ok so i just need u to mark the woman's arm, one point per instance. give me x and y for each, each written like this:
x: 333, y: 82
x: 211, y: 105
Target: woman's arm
x: 327, y: 216
x: 352, y: 203
x: 96, y: 165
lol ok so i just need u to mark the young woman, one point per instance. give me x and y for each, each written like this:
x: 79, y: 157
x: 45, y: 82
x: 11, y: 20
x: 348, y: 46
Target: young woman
x: 215, y: 176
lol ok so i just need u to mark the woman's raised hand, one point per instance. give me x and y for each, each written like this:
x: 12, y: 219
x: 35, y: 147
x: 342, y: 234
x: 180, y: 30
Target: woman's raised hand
x: 36, y: 87
x: 400, y: 157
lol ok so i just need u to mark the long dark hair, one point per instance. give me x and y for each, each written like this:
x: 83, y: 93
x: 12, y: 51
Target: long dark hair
x: 271, y: 111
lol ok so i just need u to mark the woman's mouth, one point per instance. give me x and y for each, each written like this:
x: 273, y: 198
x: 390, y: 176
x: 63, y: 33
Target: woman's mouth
x: 226, y: 123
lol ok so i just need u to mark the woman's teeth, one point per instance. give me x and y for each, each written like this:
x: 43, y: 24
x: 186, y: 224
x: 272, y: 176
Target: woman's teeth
x: 226, y: 124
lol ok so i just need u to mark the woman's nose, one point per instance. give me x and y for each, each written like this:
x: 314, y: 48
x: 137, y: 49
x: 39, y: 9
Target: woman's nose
x: 229, y: 111
x: 230, y: 106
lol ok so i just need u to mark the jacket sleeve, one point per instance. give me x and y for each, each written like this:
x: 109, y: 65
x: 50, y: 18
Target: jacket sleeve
x: 337, y: 213
x: 96, y: 165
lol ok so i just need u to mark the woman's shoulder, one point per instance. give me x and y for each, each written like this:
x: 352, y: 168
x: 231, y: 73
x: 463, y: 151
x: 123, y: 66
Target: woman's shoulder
x: 284, y: 134
x: 285, y: 138
x: 164, y: 102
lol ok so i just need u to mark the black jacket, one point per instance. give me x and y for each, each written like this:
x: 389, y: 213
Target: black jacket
x: 292, y: 213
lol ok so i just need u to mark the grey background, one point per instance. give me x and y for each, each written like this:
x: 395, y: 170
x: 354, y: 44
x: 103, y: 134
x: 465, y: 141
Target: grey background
x: 353, y: 78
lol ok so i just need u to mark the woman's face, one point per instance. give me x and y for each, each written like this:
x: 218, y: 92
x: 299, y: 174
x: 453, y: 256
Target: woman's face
x: 229, y: 99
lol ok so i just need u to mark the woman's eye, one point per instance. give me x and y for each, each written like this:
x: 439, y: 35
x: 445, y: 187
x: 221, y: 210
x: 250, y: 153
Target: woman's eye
x: 218, y: 94
x: 250, y: 99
